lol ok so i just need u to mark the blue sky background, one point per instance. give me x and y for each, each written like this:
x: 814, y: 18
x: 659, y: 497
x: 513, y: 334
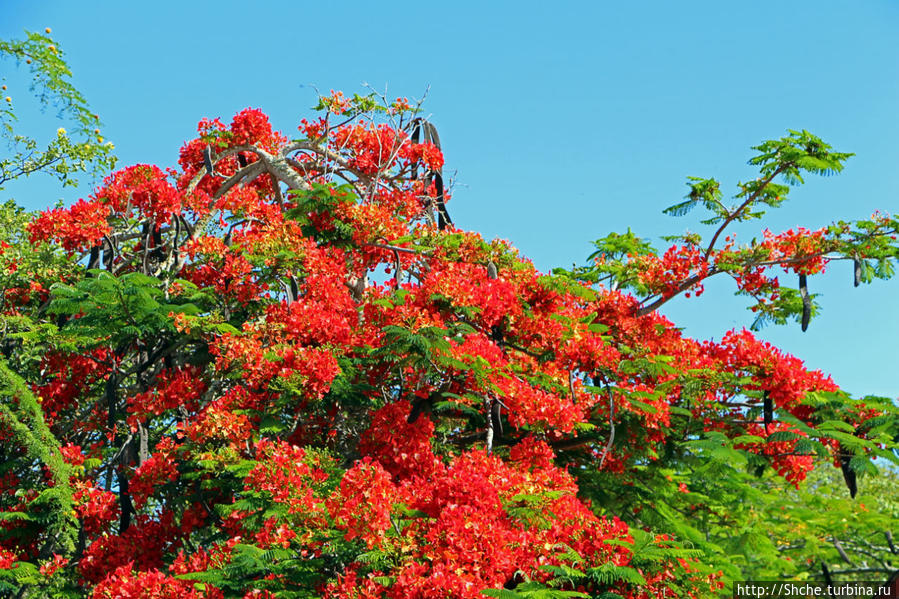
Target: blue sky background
x: 563, y: 121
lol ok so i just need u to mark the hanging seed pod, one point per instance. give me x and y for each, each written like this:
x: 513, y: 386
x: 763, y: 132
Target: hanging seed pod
x: 415, y: 137
x: 857, y: 270
x: 207, y: 160
x: 889, y: 536
x: 431, y: 134
x: 848, y: 473
x: 495, y: 416
x: 443, y: 217
x: 398, y: 269
x: 492, y: 273
x: 841, y: 551
x: 157, y: 243
x: 427, y: 133
x: 806, y: 301
x: 94, y: 260
x: 826, y: 573
x: 108, y: 256
x: 421, y: 405
x: 768, y: 409
x: 496, y: 331
x: 294, y: 290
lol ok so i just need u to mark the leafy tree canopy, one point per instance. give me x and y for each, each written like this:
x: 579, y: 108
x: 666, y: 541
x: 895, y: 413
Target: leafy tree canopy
x: 280, y: 370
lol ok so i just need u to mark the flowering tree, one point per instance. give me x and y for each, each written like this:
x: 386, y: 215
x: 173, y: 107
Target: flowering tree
x: 279, y: 370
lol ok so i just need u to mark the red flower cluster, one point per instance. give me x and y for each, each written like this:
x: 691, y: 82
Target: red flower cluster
x: 76, y: 228
x: 125, y: 583
x: 665, y: 275
x: 792, y: 466
x: 801, y: 250
x: 173, y: 389
x: 96, y: 508
x: 142, y: 187
x: 469, y: 539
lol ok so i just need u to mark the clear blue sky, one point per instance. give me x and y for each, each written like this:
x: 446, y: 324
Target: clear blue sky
x: 563, y: 121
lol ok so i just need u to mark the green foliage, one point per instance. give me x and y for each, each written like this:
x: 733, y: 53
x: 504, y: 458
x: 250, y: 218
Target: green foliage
x: 715, y: 495
x: 532, y: 590
x: 786, y: 307
x: 612, y: 262
x: 249, y: 562
x: 322, y: 200
x: 66, y: 155
x: 703, y: 192
x: 648, y: 554
x: 118, y: 309
x: 798, y: 152
x: 20, y: 413
x: 27, y: 271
